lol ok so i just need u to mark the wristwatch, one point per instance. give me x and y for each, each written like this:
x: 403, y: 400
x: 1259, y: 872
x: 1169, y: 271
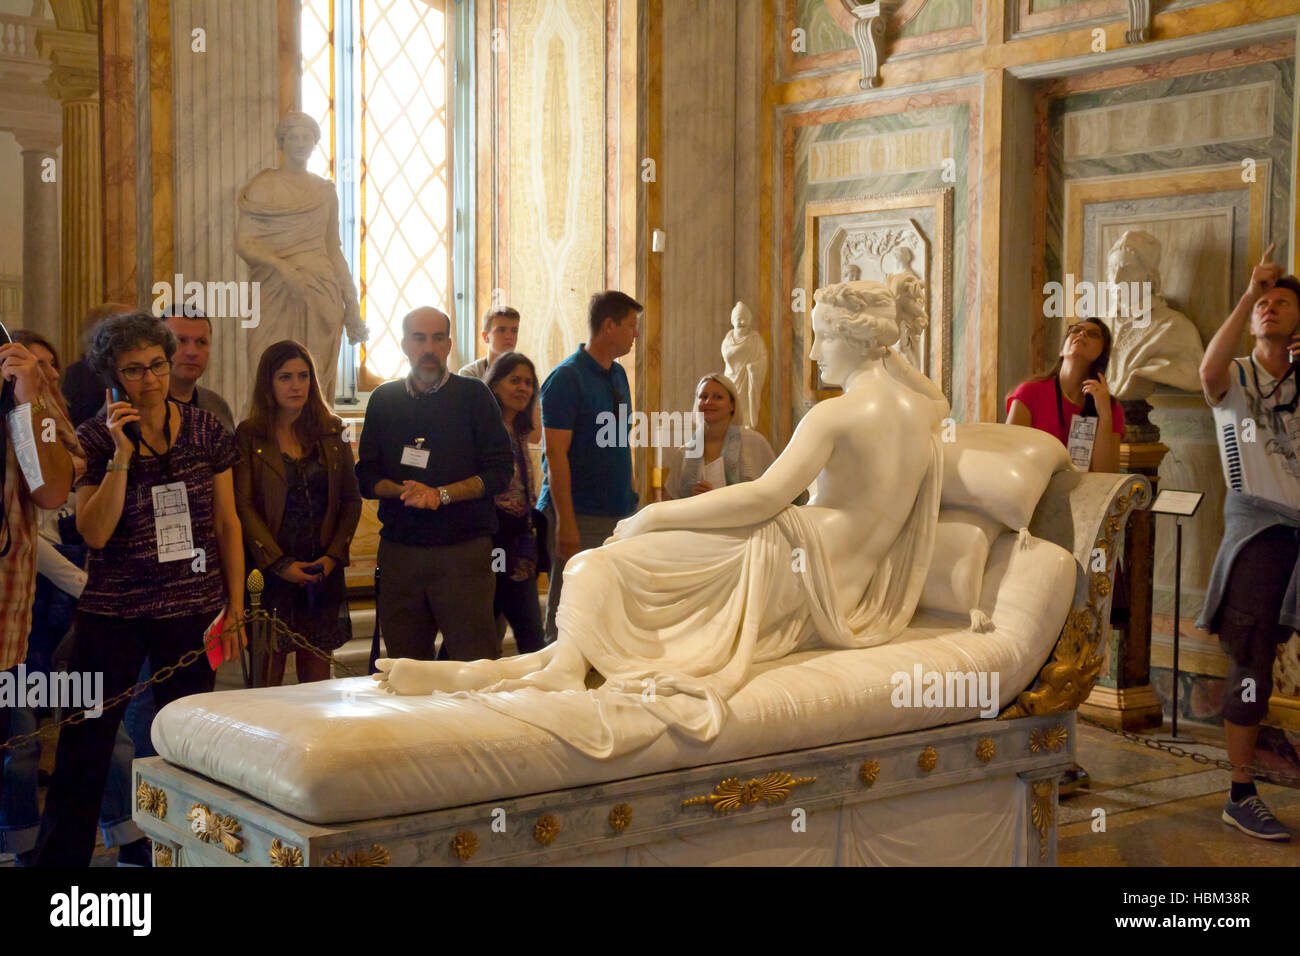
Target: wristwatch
x: 444, y: 496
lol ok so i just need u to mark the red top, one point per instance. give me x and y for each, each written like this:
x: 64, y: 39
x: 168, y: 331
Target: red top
x: 1040, y: 399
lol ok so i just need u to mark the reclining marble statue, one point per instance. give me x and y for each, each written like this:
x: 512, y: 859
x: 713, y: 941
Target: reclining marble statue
x: 687, y: 596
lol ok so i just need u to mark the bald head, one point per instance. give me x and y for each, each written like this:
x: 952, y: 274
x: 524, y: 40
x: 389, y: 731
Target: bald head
x: 425, y: 314
x: 426, y: 341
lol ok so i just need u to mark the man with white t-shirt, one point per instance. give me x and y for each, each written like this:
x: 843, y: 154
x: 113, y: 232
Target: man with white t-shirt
x: 1253, y: 599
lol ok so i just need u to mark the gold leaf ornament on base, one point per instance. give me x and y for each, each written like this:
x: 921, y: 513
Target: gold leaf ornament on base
x: 985, y: 749
x: 1041, y: 812
x: 214, y: 828
x: 620, y: 817
x: 375, y: 856
x: 282, y: 854
x: 151, y: 799
x: 868, y: 772
x: 464, y: 845
x: 162, y: 855
x: 928, y: 760
x: 1048, y: 738
x: 733, y: 793
x: 546, y: 829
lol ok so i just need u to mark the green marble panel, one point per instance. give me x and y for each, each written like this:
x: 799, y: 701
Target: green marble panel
x: 823, y: 33
x: 940, y: 15
x: 802, y: 192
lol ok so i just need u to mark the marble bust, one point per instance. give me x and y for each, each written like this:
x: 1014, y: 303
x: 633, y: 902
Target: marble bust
x: 288, y: 233
x: 675, y: 608
x: 1160, y: 346
x: 745, y: 356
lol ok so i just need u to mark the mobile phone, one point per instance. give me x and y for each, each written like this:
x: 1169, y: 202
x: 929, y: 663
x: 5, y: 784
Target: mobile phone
x: 131, y: 429
x: 314, y: 569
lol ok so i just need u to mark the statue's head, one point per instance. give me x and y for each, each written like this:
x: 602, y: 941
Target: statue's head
x: 742, y: 320
x: 1135, y: 257
x: 850, y: 321
x: 297, y: 135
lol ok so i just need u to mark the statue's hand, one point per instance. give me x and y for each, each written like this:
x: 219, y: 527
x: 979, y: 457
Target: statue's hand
x: 640, y: 523
x: 357, y: 330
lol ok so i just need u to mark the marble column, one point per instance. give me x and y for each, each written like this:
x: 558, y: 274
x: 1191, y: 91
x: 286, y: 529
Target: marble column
x: 74, y: 82
x: 40, y: 236
x: 1124, y: 696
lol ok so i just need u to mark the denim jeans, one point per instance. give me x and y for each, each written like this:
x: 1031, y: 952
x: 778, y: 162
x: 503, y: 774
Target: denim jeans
x: 19, y: 819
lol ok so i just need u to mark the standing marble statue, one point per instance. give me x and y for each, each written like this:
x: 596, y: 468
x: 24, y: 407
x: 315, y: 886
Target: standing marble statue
x: 745, y: 356
x: 288, y: 234
x: 1167, y: 350
x: 688, y: 595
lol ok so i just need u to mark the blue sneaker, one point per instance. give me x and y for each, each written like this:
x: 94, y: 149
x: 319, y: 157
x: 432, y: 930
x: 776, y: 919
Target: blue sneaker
x: 1253, y: 818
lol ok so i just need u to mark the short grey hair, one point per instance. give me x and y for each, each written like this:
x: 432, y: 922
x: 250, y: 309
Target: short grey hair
x: 125, y: 333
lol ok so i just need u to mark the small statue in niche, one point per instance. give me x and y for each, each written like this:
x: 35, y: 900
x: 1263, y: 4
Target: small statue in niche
x: 745, y: 355
x: 288, y: 233
x: 1155, y: 345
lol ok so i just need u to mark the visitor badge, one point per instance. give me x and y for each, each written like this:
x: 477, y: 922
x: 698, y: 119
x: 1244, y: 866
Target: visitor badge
x: 415, y: 456
x: 23, y: 436
x: 171, y: 522
x: 1083, y: 432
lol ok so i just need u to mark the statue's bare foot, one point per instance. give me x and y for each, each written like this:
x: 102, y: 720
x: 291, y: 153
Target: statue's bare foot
x: 546, y: 679
x: 406, y: 677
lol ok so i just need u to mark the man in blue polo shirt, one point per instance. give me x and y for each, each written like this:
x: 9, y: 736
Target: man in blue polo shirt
x: 587, y: 486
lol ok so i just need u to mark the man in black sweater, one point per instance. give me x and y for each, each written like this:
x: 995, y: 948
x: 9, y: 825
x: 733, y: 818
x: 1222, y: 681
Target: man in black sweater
x: 434, y: 451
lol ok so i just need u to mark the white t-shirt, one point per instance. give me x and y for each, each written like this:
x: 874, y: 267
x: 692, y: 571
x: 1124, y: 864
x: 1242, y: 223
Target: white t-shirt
x: 1259, y: 459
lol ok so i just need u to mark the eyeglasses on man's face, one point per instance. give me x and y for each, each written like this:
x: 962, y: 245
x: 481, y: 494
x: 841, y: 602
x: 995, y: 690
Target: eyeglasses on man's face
x: 1086, y: 329
x: 133, y: 373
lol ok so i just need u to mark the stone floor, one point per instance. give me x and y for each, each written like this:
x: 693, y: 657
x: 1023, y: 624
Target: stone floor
x: 1162, y: 810
x: 1159, y: 810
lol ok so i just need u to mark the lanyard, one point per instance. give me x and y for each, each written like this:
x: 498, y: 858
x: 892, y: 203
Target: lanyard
x: 1278, y: 407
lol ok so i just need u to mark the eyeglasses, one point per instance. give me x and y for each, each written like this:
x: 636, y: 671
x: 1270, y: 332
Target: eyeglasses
x: 1086, y: 329
x: 133, y: 373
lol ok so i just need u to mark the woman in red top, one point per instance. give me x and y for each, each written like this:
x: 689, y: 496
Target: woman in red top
x: 1050, y: 401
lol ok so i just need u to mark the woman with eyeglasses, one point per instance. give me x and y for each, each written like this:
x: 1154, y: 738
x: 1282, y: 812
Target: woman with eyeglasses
x: 1076, y: 385
x: 156, y: 507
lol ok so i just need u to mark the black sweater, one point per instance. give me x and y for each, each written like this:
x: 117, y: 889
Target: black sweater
x: 462, y: 429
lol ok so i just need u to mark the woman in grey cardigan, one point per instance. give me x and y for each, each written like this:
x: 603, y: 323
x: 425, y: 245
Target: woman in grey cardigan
x: 724, y: 448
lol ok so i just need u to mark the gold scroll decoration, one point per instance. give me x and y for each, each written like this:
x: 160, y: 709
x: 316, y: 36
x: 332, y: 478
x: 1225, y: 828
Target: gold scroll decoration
x: 732, y: 794
x: 375, y: 856
x: 151, y: 799
x: 214, y: 828
x: 1068, y: 677
x: 282, y: 854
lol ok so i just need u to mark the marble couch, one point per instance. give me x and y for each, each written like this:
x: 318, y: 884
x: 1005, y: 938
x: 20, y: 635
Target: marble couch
x: 821, y: 760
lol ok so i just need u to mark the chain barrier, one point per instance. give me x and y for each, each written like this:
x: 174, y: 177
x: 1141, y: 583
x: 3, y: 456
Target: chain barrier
x: 1272, y: 776
x: 254, y: 617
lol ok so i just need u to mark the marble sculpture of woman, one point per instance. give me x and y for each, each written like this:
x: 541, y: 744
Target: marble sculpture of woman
x: 745, y: 356
x: 673, y: 611
x: 288, y: 233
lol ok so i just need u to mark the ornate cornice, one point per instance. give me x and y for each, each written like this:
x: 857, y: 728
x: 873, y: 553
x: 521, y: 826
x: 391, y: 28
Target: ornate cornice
x: 74, y: 63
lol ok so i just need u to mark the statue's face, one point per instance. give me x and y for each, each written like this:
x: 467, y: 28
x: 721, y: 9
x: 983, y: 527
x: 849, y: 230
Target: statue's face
x: 1123, y: 265
x: 1276, y: 315
x: 835, y: 355
x: 297, y: 143
x: 740, y: 320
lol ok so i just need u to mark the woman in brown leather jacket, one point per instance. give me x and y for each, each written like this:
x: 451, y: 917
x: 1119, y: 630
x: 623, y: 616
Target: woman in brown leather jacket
x: 298, y: 501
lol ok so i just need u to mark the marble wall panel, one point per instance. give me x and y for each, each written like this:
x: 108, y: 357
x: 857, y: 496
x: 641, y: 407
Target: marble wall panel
x: 697, y: 187
x: 225, y: 112
x: 555, y: 171
x: 1183, y: 122
x: 912, y: 27
x: 801, y: 132
x: 873, y: 155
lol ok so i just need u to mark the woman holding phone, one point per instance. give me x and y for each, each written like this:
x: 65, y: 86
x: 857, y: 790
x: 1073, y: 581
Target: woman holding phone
x: 298, y: 500
x: 156, y: 507
x: 1075, y: 385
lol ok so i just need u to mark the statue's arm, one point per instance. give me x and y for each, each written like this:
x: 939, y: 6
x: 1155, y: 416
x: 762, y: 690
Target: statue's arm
x: 750, y: 502
x: 356, y: 329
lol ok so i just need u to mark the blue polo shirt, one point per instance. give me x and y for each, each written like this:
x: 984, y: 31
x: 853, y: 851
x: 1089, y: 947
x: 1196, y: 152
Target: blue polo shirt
x: 581, y: 397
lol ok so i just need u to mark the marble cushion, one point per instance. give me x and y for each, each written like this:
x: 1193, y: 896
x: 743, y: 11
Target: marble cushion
x: 1000, y: 470
x: 342, y: 750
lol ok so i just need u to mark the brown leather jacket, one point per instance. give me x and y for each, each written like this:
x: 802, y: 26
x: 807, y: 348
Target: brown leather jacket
x: 261, y: 490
